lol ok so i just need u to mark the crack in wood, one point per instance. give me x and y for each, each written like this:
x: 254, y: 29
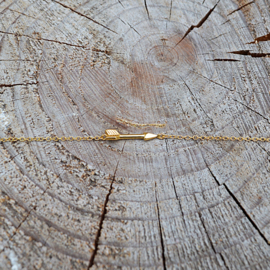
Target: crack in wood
x: 85, y: 16
x: 206, y: 232
x: 199, y: 24
x: 20, y: 224
x: 120, y: 3
x: 16, y: 230
x: 174, y: 187
x: 240, y: 7
x: 160, y: 231
x: 16, y: 84
x: 134, y: 29
x: 223, y: 60
x: 146, y: 8
x: 218, y: 36
x: 45, y: 39
x: 223, y: 259
x: 266, y: 151
x: 247, y: 52
x: 170, y: 15
x: 24, y: 219
x: 226, y: 21
x: 213, y: 81
x: 199, y: 104
x: 261, y: 38
x: 21, y: 13
x: 246, y: 214
x: 226, y: 87
x: 126, y: 23
x: 237, y: 202
x: 102, y: 217
x: 243, y: 104
x: 208, y: 236
x: 239, y: 205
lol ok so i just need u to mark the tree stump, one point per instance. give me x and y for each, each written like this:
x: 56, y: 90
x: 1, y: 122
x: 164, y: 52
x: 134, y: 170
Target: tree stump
x: 76, y: 68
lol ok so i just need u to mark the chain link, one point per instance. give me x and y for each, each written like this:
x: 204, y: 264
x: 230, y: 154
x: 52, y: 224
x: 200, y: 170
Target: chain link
x: 162, y: 136
x: 55, y: 139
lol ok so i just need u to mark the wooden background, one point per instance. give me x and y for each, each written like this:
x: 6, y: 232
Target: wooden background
x: 75, y: 68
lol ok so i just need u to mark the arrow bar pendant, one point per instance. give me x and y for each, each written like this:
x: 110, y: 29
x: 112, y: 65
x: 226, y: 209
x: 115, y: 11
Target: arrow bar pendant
x: 113, y: 134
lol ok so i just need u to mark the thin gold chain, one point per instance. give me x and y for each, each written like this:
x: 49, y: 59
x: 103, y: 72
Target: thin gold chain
x: 55, y: 139
x: 213, y: 138
x: 160, y: 136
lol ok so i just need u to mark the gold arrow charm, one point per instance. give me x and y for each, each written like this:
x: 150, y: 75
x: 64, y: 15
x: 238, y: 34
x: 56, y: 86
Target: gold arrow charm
x: 113, y: 134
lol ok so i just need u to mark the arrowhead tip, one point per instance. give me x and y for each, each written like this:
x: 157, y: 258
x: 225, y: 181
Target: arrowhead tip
x: 149, y: 136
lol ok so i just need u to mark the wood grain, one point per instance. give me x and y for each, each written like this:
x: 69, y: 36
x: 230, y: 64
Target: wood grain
x: 75, y: 68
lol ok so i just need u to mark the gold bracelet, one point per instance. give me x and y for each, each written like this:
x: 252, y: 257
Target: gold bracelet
x: 113, y: 135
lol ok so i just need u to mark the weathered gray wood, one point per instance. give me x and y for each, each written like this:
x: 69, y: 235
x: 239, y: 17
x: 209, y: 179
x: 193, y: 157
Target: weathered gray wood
x: 76, y: 68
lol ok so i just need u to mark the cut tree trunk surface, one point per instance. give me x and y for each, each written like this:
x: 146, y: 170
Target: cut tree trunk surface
x: 76, y: 68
